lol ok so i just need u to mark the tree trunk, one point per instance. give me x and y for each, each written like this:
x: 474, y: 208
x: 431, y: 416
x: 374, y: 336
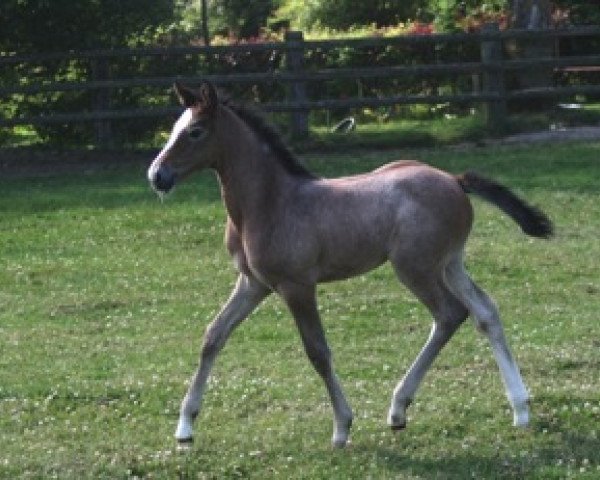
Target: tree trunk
x: 533, y: 15
x: 205, y: 33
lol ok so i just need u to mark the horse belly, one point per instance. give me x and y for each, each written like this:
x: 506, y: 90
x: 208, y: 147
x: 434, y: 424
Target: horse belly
x: 332, y: 272
x: 350, y: 256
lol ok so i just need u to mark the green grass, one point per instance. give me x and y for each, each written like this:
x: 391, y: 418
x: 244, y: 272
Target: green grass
x: 410, y: 126
x: 105, y: 293
x: 405, y: 132
x: 427, y: 129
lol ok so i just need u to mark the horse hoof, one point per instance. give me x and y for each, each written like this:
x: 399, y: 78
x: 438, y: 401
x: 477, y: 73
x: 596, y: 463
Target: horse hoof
x: 521, y: 420
x: 184, y: 444
x: 396, y: 422
x: 521, y: 414
x: 339, y: 443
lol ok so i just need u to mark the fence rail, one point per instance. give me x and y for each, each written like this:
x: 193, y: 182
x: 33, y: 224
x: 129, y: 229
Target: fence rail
x: 440, y: 38
x: 492, y: 67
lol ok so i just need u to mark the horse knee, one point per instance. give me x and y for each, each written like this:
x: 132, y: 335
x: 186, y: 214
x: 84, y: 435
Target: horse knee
x: 320, y: 357
x: 212, y: 342
x: 452, y: 315
x: 487, y: 321
x: 458, y: 315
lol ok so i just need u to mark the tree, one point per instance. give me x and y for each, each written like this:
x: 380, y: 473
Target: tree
x: 34, y: 26
x: 205, y: 32
x: 531, y: 14
x: 45, y: 25
x: 580, y: 12
x: 343, y: 14
x: 242, y: 18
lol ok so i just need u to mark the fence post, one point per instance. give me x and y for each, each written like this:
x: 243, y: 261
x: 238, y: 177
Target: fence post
x: 493, y: 79
x: 297, y: 91
x: 101, y: 102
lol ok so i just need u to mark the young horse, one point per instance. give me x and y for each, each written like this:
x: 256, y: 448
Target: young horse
x: 288, y: 230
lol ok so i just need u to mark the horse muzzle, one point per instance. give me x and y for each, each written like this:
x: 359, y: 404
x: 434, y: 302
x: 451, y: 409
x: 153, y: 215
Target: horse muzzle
x: 162, y: 178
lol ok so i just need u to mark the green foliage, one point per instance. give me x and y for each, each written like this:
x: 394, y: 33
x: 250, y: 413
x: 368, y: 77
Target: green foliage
x: 453, y: 15
x: 241, y: 18
x: 235, y: 19
x: 33, y: 26
x: 106, y: 292
x: 298, y: 13
x: 344, y: 14
x: 580, y: 12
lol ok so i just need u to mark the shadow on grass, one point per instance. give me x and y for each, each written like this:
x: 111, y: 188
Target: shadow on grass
x: 562, y: 440
x: 570, y: 450
x: 543, y: 463
x: 99, y: 182
x: 48, y: 188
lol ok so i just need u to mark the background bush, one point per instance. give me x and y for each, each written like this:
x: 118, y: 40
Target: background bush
x: 34, y: 26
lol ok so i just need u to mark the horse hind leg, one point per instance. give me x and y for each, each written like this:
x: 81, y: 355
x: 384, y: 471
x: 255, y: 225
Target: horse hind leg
x: 448, y: 314
x: 487, y: 321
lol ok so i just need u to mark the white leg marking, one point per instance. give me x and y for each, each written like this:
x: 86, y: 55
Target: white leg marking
x: 488, y: 322
x: 184, y: 428
x: 342, y: 413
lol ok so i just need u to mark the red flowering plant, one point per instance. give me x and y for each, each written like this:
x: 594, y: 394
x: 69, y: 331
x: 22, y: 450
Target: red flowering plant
x: 474, y: 20
x: 421, y: 28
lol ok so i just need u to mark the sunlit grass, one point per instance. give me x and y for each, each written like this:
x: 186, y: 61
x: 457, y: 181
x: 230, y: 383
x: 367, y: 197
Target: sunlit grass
x: 404, y: 132
x: 401, y: 127
x: 105, y: 293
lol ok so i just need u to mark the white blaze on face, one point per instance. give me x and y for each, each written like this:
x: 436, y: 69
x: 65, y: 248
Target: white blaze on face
x: 181, y: 124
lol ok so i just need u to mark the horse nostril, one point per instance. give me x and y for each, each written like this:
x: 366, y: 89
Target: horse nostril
x: 164, y: 179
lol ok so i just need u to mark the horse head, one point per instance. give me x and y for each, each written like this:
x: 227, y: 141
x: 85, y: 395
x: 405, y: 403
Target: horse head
x: 191, y: 145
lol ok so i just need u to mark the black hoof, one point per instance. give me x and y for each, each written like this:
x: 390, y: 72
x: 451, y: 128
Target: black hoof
x: 397, y: 428
x: 185, y: 441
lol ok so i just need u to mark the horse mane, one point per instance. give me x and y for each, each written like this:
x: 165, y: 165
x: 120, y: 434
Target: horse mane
x: 268, y: 133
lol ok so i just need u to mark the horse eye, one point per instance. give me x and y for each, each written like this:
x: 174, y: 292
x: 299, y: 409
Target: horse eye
x: 196, y: 133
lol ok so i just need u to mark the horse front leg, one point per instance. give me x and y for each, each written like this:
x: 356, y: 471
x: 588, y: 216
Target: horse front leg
x: 302, y: 303
x: 246, y: 296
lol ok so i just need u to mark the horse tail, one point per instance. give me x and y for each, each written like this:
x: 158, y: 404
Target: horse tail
x: 532, y: 220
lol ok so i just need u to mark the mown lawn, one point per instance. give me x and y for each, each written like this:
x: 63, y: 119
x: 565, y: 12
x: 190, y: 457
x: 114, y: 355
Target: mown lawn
x: 105, y: 293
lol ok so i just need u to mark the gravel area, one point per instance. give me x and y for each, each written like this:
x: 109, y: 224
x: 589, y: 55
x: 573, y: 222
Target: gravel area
x: 557, y: 134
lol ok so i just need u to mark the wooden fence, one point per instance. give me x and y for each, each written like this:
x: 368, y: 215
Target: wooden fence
x: 491, y: 68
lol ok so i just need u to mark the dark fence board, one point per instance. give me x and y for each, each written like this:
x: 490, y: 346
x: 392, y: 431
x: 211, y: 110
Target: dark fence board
x: 296, y: 75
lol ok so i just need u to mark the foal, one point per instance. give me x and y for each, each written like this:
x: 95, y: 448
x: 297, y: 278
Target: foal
x: 288, y: 230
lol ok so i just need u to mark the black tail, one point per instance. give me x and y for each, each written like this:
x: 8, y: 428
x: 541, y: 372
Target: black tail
x: 532, y: 221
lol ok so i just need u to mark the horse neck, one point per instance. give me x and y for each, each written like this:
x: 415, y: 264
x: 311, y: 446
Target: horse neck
x: 249, y: 174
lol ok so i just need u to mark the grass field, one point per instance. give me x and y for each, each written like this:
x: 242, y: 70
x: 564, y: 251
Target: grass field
x: 105, y: 293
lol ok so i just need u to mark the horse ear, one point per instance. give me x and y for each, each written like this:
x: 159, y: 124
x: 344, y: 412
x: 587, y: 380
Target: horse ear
x: 187, y: 97
x: 207, y: 97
